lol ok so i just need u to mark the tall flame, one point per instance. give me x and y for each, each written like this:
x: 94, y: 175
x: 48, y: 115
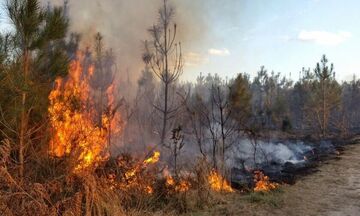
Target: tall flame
x: 218, y: 183
x: 71, y: 112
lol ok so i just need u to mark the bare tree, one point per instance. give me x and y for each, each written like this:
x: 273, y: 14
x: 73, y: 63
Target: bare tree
x: 222, y: 116
x: 164, y: 56
x: 197, y: 116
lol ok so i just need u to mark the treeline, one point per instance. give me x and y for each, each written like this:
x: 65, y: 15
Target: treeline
x: 207, y: 117
x: 214, y: 114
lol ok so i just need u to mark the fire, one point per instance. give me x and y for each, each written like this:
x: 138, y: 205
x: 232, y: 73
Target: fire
x: 154, y: 159
x: 179, y: 186
x: 133, y: 177
x: 149, y: 189
x: 183, y: 186
x: 170, y: 181
x: 263, y: 183
x: 218, y: 183
x: 151, y: 160
x: 75, y: 133
x: 112, y: 118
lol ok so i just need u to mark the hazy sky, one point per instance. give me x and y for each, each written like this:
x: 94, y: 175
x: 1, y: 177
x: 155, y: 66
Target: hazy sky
x: 282, y: 35
x: 240, y: 35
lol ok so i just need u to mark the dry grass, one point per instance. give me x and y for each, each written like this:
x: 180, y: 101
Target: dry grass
x: 51, y: 189
x: 333, y: 190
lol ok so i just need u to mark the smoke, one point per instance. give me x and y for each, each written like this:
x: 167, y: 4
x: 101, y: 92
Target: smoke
x: 124, y: 25
x: 269, y: 152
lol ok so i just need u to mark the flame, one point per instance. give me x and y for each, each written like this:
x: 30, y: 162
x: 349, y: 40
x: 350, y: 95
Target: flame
x: 115, y: 117
x: 218, y: 183
x: 183, y: 186
x: 149, y: 189
x: 133, y: 177
x: 71, y: 112
x: 154, y: 159
x: 170, y: 181
x: 263, y: 183
x: 179, y: 186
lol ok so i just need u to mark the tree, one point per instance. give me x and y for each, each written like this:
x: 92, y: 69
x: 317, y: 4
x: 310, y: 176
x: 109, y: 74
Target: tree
x: 165, y: 59
x: 299, y: 98
x: 38, y: 33
x: 198, y: 115
x: 240, y: 99
x: 175, y: 147
x: 350, y: 105
x: 258, y: 88
x: 326, y: 96
x: 103, y: 76
x: 143, y: 108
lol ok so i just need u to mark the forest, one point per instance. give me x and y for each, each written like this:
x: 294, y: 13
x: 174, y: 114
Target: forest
x: 78, y: 137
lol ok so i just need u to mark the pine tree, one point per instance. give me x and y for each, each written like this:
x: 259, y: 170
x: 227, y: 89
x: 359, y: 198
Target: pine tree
x: 326, y: 96
x: 240, y: 99
x: 165, y: 59
x: 38, y: 40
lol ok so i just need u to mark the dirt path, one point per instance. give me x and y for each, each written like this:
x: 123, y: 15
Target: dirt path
x: 333, y: 190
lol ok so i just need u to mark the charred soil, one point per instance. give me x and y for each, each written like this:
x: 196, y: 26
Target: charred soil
x: 333, y: 190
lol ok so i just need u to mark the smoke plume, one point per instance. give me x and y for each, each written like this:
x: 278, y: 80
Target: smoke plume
x: 124, y: 25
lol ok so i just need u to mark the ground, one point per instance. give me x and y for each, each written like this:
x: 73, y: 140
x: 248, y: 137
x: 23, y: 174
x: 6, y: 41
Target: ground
x: 333, y: 190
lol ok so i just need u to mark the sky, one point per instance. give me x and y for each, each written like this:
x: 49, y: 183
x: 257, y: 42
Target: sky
x: 282, y: 35
x: 232, y: 36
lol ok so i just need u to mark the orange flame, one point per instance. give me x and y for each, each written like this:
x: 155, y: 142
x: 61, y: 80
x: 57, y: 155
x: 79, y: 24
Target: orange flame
x: 183, y: 186
x: 132, y: 176
x: 218, y: 183
x: 179, y: 186
x: 154, y: 159
x: 71, y: 114
x: 263, y: 183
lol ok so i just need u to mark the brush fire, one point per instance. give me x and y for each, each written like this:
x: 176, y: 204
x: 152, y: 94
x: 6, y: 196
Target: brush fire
x: 262, y: 182
x: 75, y: 131
x: 218, y: 182
x: 98, y: 118
x: 76, y: 134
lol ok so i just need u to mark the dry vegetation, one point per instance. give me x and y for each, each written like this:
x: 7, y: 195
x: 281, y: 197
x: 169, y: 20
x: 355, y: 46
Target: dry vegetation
x: 73, y: 142
x: 333, y: 190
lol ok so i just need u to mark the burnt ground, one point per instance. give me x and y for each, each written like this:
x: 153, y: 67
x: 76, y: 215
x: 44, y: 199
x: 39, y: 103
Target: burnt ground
x: 333, y: 190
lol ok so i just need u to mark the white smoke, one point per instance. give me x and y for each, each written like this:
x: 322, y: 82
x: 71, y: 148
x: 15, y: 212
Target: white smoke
x: 267, y: 152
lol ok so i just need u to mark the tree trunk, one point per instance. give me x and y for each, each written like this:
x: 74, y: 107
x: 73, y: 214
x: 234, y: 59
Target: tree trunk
x: 23, y: 118
x: 175, y: 160
x: 324, y: 110
x: 165, y: 113
x: 214, y: 154
x: 166, y: 82
x: 223, y: 138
